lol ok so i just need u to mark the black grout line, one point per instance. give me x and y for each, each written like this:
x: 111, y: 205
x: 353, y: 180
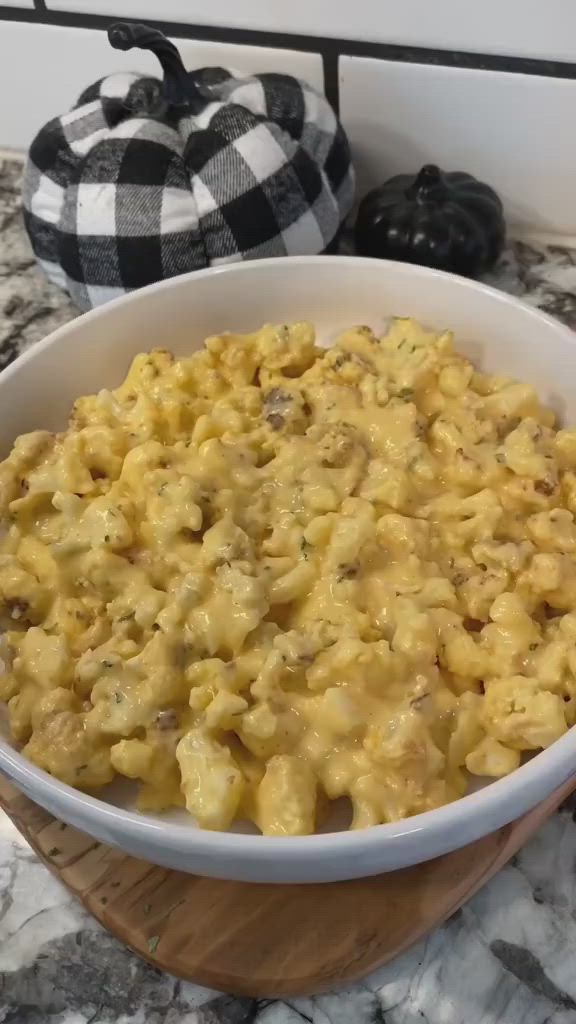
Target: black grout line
x: 330, y: 66
x: 330, y: 49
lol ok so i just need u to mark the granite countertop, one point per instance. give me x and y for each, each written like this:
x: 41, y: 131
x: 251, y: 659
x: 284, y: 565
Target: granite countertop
x: 506, y: 958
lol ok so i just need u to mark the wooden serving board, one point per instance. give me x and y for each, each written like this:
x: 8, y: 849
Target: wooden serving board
x: 264, y: 940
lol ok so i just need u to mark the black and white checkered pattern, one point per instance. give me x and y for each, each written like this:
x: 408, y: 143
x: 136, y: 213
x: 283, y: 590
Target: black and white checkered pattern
x: 123, y: 190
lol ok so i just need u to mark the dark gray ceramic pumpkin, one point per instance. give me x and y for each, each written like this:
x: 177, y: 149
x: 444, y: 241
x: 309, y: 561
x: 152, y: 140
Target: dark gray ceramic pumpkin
x: 448, y: 221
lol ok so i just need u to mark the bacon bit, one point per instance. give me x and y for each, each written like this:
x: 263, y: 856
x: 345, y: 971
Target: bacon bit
x: 167, y: 719
x: 473, y: 625
x: 17, y: 608
x: 275, y: 420
x: 347, y: 572
x: 191, y: 535
x: 545, y: 487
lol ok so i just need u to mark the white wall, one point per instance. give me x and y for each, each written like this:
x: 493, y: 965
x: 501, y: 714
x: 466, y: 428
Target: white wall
x: 525, y: 28
x: 43, y: 70
x: 513, y: 130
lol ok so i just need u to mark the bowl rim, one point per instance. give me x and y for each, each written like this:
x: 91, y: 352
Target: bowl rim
x: 542, y: 773
x: 466, y: 810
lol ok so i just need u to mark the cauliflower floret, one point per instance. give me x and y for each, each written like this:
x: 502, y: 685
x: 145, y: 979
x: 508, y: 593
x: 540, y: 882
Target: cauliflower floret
x: 286, y: 797
x: 521, y: 715
x: 491, y: 758
x: 404, y: 741
x: 212, y: 783
x: 61, y: 745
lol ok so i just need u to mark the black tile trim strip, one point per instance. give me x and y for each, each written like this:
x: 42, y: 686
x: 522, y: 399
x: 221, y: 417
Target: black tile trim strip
x: 330, y: 49
x: 331, y: 86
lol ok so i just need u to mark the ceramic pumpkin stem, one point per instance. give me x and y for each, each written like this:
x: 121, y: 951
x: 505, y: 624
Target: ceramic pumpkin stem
x: 429, y: 184
x: 179, y: 87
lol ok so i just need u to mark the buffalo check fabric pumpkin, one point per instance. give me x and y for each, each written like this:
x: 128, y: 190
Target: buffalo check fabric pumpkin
x: 127, y: 189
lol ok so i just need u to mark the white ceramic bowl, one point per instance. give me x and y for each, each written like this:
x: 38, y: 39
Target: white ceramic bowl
x: 94, y: 351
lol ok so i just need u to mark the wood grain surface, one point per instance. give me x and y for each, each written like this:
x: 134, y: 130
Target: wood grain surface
x: 264, y: 940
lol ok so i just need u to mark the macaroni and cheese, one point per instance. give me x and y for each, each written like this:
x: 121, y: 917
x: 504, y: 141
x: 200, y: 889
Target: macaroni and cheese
x: 270, y: 575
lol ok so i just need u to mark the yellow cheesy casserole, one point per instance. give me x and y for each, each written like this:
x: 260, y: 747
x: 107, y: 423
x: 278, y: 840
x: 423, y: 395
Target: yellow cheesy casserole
x: 270, y: 575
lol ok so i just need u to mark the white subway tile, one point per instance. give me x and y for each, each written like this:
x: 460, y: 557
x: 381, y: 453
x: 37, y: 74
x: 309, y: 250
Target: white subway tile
x: 513, y: 131
x: 525, y: 28
x: 252, y: 59
x: 66, y: 60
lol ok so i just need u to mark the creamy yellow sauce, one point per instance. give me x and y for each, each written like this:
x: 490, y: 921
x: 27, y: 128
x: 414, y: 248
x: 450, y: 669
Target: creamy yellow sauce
x: 269, y: 576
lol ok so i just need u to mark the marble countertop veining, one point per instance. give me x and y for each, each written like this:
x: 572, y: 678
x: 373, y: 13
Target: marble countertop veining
x: 506, y: 958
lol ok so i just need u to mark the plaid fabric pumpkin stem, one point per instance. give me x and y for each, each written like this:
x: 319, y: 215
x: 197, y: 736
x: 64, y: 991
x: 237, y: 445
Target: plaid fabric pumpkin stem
x: 145, y: 180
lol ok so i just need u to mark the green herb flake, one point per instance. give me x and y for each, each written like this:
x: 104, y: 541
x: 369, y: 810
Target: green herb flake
x: 305, y: 548
x: 54, y: 852
x: 153, y: 944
